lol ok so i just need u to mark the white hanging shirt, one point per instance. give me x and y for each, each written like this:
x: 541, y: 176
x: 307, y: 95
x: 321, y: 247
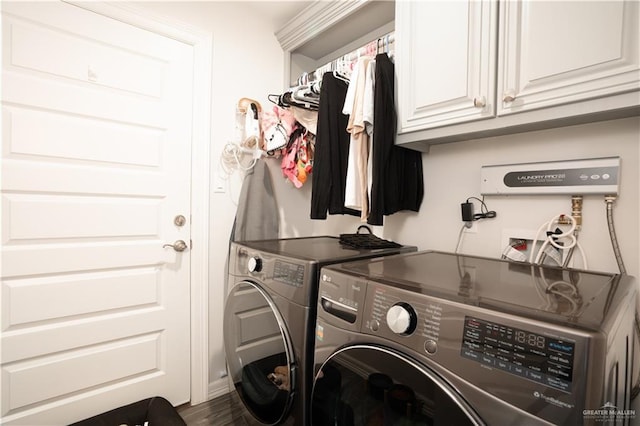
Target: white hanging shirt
x: 369, y: 96
x: 356, y: 193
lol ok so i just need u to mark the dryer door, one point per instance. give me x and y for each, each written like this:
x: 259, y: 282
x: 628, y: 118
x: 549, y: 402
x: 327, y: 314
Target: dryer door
x: 372, y: 385
x: 259, y: 352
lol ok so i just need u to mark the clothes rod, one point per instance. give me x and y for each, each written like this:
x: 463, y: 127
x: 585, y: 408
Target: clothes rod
x: 383, y: 44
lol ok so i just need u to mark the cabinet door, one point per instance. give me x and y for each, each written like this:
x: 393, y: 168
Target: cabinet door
x: 445, y: 61
x: 557, y: 52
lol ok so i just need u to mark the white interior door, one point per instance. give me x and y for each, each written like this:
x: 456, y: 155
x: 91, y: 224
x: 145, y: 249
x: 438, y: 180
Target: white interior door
x: 96, y: 142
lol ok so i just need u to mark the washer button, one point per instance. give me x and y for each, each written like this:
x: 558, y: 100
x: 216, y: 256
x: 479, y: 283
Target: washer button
x: 430, y: 346
x: 375, y: 325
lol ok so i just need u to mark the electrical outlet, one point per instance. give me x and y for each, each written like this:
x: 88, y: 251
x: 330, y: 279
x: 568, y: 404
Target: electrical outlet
x: 471, y: 227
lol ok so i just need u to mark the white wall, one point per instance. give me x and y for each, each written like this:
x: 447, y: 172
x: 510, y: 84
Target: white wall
x: 452, y: 174
x: 248, y: 62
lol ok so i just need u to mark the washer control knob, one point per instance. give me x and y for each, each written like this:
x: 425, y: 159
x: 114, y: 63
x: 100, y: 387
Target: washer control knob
x: 402, y: 318
x: 254, y: 264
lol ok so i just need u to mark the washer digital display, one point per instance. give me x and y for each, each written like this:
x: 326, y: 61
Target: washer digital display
x: 543, y: 359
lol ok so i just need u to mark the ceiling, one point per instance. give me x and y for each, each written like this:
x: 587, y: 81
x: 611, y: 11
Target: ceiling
x: 279, y: 12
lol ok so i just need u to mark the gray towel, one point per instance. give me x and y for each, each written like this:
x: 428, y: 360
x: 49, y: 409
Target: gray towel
x: 257, y: 215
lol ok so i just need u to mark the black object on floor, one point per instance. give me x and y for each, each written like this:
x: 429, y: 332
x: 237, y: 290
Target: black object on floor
x: 156, y: 411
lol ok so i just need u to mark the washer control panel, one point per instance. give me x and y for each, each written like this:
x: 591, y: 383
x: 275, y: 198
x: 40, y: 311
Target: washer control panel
x: 543, y: 359
x: 473, y: 341
x: 408, y: 320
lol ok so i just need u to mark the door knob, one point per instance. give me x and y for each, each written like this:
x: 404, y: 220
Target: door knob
x: 177, y: 246
x: 179, y: 220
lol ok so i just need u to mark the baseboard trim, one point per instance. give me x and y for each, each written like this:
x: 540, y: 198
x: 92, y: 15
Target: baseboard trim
x: 218, y: 388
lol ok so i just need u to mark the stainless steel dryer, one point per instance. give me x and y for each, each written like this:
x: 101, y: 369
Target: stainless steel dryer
x: 434, y: 338
x: 269, y: 320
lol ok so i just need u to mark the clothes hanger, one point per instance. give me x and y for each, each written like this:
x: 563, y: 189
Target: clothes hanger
x: 316, y: 85
x: 339, y: 76
x: 388, y: 43
x: 277, y: 99
x: 337, y: 73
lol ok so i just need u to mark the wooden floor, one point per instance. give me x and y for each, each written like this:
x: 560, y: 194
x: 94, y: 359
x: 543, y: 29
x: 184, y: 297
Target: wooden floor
x: 222, y: 411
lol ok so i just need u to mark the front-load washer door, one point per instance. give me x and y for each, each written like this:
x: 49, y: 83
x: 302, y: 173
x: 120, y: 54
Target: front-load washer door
x: 259, y: 352
x: 373, y: 385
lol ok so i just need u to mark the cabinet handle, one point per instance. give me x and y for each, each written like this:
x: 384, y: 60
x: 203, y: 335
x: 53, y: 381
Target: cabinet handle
x: 509, y: 96
x: 480, y: 102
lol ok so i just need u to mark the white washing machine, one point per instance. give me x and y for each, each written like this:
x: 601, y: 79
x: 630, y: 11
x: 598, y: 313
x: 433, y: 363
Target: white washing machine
x: 269, y: 320
x: 432, y: 338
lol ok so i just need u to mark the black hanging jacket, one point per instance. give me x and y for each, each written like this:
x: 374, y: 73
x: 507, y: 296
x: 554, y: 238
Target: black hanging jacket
x: 397, y: 172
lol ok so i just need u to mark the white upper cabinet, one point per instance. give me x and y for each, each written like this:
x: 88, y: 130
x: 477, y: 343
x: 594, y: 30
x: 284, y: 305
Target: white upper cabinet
x: 464, y: 73
x: 555, y: 52
x: 448, y: 78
